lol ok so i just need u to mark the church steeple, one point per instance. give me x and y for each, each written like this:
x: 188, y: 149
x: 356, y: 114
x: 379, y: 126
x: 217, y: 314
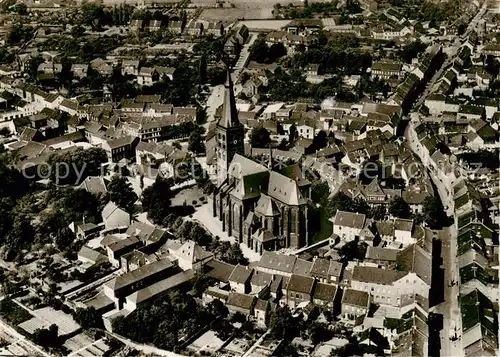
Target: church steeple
x: 229, y: 118
x: 230, y: 133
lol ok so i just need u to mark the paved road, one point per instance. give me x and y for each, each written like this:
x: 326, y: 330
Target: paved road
x: 448, y: 236
x: 449, y: 308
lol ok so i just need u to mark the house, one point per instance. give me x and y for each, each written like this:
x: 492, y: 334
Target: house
x: 80, y: 70
x: 50, y: 67
x: 157, y: 289
x: 147, y: 76
x: 381, y: 257
x: 136, y: 259
x: 326, y: 271
x: 116, y: 247
x: 214, y: 293
x: 120, y: 148
x: 130, y: 68
x: 117, y: 289
x: 87, y: 230
x: 348, y: 225
x: 312, y: 69
x: 239, y: 280
x: 240, y: 303
x: 324, y: 295
x: 386, y: 69
x: 150, y: 236
x: 261, y: 312
x: 299, y: 289
x: 90, y: 256
x: 304, y: 27
x: 165, y: 72
x: 191, y: 256
x: 260, y: 282
x: 114, y: 217
x: 274, y: 263
x: 355, y: 303
x: 403, y: 229
x: 392, y: 287
x: 479, y: 326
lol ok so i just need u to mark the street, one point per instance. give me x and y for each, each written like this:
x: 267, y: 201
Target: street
x: 452, y: 52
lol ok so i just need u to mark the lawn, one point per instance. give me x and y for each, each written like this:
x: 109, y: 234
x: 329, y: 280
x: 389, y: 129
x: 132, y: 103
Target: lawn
x: 13, y: 313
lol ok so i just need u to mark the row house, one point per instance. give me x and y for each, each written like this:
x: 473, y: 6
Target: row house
x: 386, y: 69
x: 393, y: 287
x: 289, y: 40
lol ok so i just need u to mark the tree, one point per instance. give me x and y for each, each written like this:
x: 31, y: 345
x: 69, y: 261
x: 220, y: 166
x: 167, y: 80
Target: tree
x: 93, y: 15
x: 399, y: 208
x: 233, y: 255
x: 378, y: 212
x: 20, y: 8
x: 47, y: 337
x: 203, y: 69
x: 352, y: 250
x: 196, y: 142
x: 5, y: 5
x: 319, y: 332
x: 282, y: 324
x: 320, y: 192
x: 260, y: 137
x: 88, y: 318
x: 259, y: 51
x: 276, y: 51
x: 292, y: 134
x: 72, y: 167
x: 156, y: 200
x: 434, y: 214
x: 217, y: 309
x: 121, y: 192
x: 341, y: 202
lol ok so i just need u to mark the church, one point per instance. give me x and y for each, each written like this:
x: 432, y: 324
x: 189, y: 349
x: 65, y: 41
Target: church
x: 260, y: 205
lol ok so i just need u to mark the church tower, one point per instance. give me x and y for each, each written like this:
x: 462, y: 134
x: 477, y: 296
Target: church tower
x: 230, y: 133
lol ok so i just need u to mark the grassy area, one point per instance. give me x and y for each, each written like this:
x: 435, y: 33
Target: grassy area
x: 325, y: 227
x: 13, y: 313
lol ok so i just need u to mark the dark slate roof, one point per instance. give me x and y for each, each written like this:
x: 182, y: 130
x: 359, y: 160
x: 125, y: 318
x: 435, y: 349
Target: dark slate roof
x: 241, y: 274
x: 301, y: 284
x: 355, y: 297
x: 325, y: 292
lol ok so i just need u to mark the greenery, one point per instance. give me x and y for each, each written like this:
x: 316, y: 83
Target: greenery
x: 121, y: 192
x: 18, y: 35
x: 262, y: 53
x: 399, y: 208
x: 156, y: 200
x: 484, y: 158
x: 88, y: 318
x: 47, y: 337
x: 165, y: 321
x: 353, y: 250
x: 65, y: 167
x: 320, y: 191
x: 434, y: 214
x: 13, y: 313
x: 411, y: 51
x: 260, y: 137
x: 282, y: 325
x: 196, y: 141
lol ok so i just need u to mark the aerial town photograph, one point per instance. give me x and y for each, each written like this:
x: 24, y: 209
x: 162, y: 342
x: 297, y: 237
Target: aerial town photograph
x: 249, y: 178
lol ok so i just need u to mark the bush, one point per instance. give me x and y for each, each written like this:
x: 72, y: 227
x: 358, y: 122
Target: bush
x: 13, y: 313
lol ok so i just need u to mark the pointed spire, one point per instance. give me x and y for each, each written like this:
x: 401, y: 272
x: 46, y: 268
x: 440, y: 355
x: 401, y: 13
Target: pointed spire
x: 229, y: 117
